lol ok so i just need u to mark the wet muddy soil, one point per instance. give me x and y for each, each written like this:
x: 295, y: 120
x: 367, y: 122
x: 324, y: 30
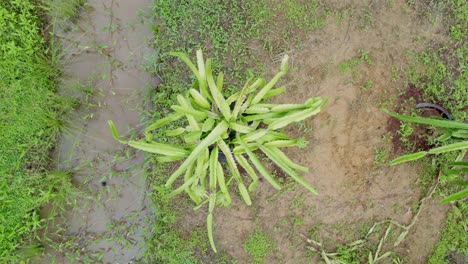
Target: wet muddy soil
x: 104, y: 53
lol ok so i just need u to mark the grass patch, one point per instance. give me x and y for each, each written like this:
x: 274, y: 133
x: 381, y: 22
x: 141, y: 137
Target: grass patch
x: 453, y: 243
x: 30, y: 112
x: 259, y: 245
x: 167, y: 245
x: 304, y: 14
x: 440, y: 73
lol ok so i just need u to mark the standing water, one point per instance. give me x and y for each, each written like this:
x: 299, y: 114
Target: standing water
x: 105, y: 52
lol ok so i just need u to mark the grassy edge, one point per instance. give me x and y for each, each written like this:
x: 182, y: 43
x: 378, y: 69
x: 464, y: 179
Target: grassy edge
x: 30, y: 75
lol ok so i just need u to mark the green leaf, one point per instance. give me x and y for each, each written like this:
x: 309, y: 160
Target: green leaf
x: 199, y: 115
x: 185, y: 186
x: 175, y: 132
x: 456, y: 196
x: 463, y: 164
x: 201, y: 167
x: 261, y: 94
x: 258, y: 165
x: 222, y: 183
x: 275, y: 92
x: 202, y: 74
x: 460, y: 134
x: 212, y: 203
x: 189, y: 175
x: 244, y: 193
x: 241, y: 128
x: 450, y: 147
x: 114, y: 132
x: 259, y: 82
x: 240, y: 100
x: 245, y: 164
x: 164, y: 121
x: 282, y: 143
x: 209, y: 227
x: 261, y: 116
x: 235, y: 172
x: 208, y: 125
x: 217, y: 96
x: 199, y: 99
x: 219, y: 81
x: 254, y: 136
x: 408, y: 157
x: 445, y: 136
x: 428, y: 121
x: 159, y: 148
x: 286, y: 160
x: 191, y: 137
x: 288, y: 107
x: 205, y: 143
x: 213, y: 168
x: 185, y: 104
x: 297, y: 116
x: 255, y: 109
x: 233, y: 98
x: 283, y: 165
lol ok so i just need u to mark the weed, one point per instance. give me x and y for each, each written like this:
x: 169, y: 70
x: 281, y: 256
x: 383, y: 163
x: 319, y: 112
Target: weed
x: 367, y: 85
x: 350, y: 65
x: 405, y: 132
x: 259, y: 245
x: 380, y: 156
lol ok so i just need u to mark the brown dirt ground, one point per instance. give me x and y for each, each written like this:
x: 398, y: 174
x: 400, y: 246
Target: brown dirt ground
x: 353, y: 192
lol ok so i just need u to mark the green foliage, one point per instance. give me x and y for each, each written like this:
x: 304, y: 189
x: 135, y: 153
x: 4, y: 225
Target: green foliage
x: 351, y: 64
x: 453, y: 236
x: 405, y: 132
x: 258, y: 245
x: 29, y: 121
x: 231, y: 127
x: 440, y: 73
x: 458, y: 20
x: 304, y: 14
x: 453, y: 138
x: 167, y: 245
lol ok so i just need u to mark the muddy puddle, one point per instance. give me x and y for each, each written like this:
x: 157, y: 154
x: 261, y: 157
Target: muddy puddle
x: 105, y: 53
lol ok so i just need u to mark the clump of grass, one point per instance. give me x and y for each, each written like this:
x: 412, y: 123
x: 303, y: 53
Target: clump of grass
x: 259, y: 245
